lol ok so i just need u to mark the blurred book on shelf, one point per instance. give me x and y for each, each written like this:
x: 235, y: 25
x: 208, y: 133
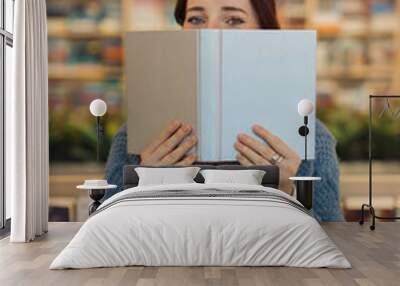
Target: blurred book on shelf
x: 384, y: 17
x: 292, y: 13
x: 83, y: 17
x: 150, y: 14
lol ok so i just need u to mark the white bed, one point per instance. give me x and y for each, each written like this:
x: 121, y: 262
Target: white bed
x: 267, y: 229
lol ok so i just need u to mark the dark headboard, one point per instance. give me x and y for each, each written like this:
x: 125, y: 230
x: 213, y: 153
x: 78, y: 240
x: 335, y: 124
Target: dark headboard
x: 271, y: 178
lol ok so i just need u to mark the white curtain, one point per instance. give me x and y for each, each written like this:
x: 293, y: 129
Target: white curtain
x: 27, y: 123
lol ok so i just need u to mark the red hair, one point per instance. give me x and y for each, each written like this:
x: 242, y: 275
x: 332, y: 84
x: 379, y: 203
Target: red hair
x: 265, y: 10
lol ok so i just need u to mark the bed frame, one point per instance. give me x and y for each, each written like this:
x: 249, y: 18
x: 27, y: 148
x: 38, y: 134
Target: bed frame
x: 271, y: 178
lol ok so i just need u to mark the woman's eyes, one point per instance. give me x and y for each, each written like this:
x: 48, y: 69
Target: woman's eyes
x: 195, y: 20
x: 231, y: 21
x: 234, y: 21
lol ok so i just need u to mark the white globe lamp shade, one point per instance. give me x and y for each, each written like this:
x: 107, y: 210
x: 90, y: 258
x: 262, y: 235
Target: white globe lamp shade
x: 305, y: 107
x: 98, y: 108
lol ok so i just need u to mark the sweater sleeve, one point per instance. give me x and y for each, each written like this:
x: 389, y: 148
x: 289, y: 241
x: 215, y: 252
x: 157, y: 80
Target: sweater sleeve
x: 326, y: 165
x: 117, y: 159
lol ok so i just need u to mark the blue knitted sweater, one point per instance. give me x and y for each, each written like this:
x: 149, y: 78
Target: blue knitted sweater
x: 326, y: 204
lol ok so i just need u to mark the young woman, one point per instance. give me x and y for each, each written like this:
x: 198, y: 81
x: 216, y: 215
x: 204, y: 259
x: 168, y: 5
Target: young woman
x: 175, y: 141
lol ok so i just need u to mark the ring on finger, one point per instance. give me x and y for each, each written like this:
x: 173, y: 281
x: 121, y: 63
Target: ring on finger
x: 276, y: 159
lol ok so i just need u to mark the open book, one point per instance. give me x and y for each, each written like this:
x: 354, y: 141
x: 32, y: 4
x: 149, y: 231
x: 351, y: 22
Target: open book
x: 221, y: 81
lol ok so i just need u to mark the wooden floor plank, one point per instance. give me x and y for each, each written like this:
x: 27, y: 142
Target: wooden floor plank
x: 375, y: 257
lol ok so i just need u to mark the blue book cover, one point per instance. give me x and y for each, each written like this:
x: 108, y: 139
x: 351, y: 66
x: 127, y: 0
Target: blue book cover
x: 223, y: 82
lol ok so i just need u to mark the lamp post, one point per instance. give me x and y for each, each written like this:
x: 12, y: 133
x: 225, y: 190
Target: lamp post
x: 305, y: 185
x: 98, y: 109
x: 305, y: 108
x: 97, y: 188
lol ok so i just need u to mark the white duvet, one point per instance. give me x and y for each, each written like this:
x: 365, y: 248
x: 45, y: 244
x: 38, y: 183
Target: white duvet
x: 200, y: 232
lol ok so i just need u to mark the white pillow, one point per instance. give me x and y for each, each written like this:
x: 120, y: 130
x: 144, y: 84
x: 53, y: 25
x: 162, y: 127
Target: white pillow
x: 166, y: 176
x: 245, y: 177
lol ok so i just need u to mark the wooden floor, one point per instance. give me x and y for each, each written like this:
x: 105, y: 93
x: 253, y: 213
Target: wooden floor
x: 375, y: 257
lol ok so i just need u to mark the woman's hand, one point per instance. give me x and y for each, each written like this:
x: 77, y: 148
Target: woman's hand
x: 273, y: 152
x: 171, y: 147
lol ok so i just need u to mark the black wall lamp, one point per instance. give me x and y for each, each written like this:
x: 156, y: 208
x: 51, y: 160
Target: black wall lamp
x: 305, y: 185
x: 98, y: 108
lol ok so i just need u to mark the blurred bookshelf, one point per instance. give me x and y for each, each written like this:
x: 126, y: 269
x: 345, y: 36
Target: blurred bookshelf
x: 85, y: 62
x: 358, y: 55
x: 358, y: 49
